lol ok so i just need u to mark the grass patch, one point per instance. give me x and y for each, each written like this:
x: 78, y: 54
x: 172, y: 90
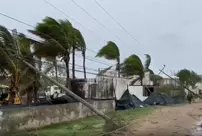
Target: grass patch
x: 88, y: 126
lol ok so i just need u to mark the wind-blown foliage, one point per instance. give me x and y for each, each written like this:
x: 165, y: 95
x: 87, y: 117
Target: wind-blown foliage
x: 188, y: 77
x: 60, y: 38
x: 110, y: 52
x: 147, y: 62
x: 57, y: 37
x: 78, y: 45
x: 22, y: 77
x: 133, y: 66
x: 153, y: 77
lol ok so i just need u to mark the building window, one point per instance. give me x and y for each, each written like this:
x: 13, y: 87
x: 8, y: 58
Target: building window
x: 147, y: 91
x: 56, y: 88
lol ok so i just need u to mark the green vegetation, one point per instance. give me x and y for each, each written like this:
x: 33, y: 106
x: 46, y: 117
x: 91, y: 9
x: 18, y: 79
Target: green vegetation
x: 87, y: 126
x: 23, y: 79
x: 172, y: 90
x: 60, y: 40
x: 188, y: 77
x: 134, y: 66
x: 110, y: 52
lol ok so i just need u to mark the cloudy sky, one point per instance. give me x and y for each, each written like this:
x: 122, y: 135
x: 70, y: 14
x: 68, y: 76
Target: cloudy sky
x: 169, y: 30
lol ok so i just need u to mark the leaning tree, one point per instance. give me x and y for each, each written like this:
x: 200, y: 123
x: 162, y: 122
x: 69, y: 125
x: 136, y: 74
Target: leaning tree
x: 111, y: 52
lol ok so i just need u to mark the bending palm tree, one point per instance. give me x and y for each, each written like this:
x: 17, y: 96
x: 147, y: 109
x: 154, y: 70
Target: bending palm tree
x: 111, y: 52
x: 22, y: 77
x: 58, y: 39
x: 133, y: 66
x: 79, y: 45
x: 147, y: 62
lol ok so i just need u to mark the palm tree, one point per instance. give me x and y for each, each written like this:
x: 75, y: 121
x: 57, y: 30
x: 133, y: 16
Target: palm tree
x: 153, y: 77
x: 133, y: 66
x: 110, y: 52
x: 79, y: 45
x: 57, y: 37
x: 147, y: 62
x: 22, y: 77
x: 49, y: 52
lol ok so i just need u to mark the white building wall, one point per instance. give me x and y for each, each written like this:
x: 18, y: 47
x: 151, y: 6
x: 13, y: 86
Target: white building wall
x: 138, y: 92
x: 121, y: 86
x: 52, y: 89
x: 169, y: 81
x: 196, y: 89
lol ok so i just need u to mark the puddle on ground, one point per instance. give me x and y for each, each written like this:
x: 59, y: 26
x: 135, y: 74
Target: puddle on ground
x: 198, y: 129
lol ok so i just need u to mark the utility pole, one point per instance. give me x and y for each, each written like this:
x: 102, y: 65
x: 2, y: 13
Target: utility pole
x: 180, y: 83
x: 101, y: 114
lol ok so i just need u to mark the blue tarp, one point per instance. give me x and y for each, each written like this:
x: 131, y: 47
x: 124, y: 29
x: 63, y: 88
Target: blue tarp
x: 128, y: 101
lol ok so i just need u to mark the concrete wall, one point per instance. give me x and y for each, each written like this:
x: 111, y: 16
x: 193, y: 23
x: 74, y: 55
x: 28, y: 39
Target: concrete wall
x: 138, y: 92
x: 32, y: 117
x: 100, y: 88
x: 121, y: 86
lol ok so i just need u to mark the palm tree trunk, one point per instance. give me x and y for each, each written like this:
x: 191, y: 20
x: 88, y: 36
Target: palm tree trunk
x: 56, y: 69
x: 13, y: 89
x: 84, y: 64
x: 29, y: 95
x: 73, y: 62
x: 35, y: 92
x: 141, y: 80
x: 118, y: 67
x: 66, y: 60
x: 40, y: 64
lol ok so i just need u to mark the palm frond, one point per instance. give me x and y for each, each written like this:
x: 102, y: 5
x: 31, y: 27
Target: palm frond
x: 48, y: 50
x: 79, y: 40
x: 5, y: 37
x: 132, y: 66
x: 147, y: 62
x: 109, y: 51
x: 6, y: 60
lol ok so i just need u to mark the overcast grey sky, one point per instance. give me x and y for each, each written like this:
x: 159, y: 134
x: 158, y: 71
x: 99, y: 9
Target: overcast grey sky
x: 169, y: 30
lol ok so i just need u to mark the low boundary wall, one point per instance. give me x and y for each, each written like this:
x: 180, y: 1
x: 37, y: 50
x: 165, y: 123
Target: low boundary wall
x: 35, y: 117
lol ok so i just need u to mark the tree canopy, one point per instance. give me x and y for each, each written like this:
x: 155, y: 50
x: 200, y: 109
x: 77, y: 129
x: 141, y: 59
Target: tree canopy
x: 110, y: 52
x: 23, y: 79
x: 132, y: 66
x: 188, y: 77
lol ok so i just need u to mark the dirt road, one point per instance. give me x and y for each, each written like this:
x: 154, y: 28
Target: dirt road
x: 170, y: 121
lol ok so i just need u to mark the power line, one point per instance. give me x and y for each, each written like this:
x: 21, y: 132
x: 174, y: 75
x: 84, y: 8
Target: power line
x: 76, y: 20
x: 66, y: 15
x: 97, y: 21
x: 87, y: 57
x: 50, y: 4
x: 33, y: 27
x: 16, y: 20
x: 63, y: 67
x: 117, y: 21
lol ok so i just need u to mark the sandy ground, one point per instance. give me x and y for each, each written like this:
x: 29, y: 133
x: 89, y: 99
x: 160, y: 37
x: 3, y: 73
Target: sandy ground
x: 170, y: 121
